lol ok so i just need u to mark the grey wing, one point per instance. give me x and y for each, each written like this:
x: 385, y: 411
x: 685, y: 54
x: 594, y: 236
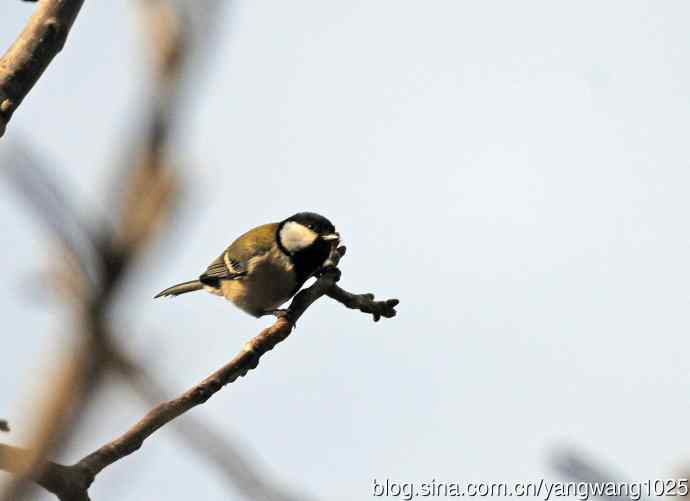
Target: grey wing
x: 222, y: 268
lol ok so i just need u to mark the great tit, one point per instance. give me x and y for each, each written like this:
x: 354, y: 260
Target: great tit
x: 267, y: 265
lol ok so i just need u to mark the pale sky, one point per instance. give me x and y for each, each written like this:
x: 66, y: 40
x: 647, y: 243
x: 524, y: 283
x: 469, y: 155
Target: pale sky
x: 515, y: 172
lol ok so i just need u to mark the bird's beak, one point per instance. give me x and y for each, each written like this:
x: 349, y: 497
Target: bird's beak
x: 331, y: 236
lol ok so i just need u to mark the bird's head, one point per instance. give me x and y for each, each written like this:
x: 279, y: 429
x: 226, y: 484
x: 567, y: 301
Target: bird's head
x: 307, y: 231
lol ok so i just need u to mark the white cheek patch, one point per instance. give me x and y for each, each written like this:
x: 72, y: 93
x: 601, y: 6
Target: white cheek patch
x: 296, y: 237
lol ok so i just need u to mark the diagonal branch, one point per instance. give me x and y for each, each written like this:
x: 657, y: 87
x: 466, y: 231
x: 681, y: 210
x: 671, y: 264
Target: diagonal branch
x: 245, y: 361
x: 210, y: 444
x: 25, y: 61
x: 149, y: 193
x: 82, y: 474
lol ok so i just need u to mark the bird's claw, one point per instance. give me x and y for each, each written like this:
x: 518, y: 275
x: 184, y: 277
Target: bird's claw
x: 279, y: 313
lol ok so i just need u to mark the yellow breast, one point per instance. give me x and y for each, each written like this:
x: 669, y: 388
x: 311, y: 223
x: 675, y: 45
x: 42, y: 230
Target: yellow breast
x: 269, y: 283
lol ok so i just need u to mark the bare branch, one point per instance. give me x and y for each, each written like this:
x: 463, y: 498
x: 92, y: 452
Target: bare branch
x: 150, y: 190
x: 210, y: 444
x: 132, y: 440
x: 245, y: 361
x: 25, y: 61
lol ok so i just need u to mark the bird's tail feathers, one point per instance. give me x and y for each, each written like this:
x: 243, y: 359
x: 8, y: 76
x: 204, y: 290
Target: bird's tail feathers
x: 183, y: 288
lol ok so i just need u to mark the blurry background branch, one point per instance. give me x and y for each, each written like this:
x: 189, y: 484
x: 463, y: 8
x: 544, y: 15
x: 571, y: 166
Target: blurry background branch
x: 33, y: 50
x: 576, y: 467
x: 96, y: 252
x: 63, y: 481
x: 95, y: 258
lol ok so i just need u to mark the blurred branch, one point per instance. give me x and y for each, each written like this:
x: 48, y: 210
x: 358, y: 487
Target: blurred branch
x: 49, y: 199
x: 27, y: 58
x: 70, y: 387
x: 66, y: 482
x: 98, y: 255
x: 576, y: 467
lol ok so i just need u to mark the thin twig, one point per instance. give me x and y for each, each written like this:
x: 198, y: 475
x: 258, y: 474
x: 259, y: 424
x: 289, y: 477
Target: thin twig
x: 27, y: 58
x: 364, y: 303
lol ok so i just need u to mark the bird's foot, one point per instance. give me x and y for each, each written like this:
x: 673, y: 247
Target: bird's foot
x: 282, y: 313
x: 278, y: 313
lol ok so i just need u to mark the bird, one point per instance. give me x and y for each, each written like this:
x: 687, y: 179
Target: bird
x: 267, y: 265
